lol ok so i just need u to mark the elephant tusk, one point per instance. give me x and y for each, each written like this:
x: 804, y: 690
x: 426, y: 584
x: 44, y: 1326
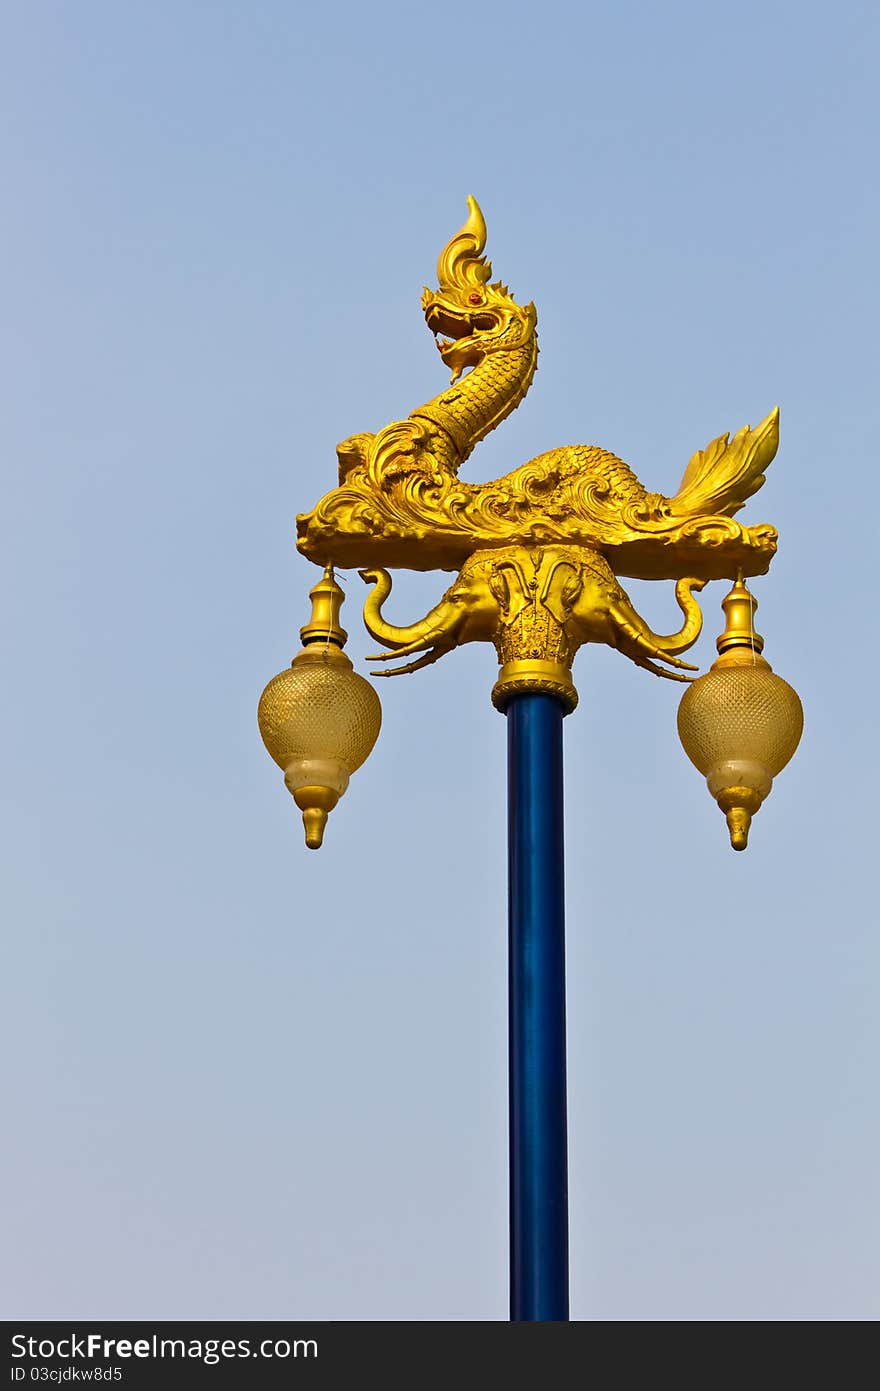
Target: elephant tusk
x: 426, y: 660
x: 427, y: 639
x: 660, y: 671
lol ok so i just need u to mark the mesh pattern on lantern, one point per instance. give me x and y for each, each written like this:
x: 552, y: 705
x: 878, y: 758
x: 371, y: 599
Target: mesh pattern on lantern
x: 319, y: 712
x: 742, y: 712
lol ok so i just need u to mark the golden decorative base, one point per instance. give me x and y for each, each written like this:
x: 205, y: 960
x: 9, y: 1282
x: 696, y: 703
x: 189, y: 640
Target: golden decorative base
x: 534, y: 677
x: 537, y: 605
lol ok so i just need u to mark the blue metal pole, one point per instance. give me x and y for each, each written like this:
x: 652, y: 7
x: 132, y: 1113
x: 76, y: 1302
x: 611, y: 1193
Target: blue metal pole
x: 536, y: 982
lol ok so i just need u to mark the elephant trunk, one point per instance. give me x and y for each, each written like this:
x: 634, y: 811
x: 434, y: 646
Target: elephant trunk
x: 693, y: 621
x: 639, y: 638
x: 432, y: 630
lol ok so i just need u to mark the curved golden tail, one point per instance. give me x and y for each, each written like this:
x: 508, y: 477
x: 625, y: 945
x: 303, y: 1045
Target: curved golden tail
x: 720, y: 478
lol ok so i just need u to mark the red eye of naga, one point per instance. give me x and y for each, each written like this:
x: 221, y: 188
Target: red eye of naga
x: 475, y: 297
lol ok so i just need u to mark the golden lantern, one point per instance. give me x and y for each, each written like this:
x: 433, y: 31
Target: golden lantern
x: 740, y: 723
x: 319, y: 719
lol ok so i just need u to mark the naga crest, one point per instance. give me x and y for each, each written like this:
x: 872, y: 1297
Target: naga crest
x: 476, y: 317
x: 538, y: 551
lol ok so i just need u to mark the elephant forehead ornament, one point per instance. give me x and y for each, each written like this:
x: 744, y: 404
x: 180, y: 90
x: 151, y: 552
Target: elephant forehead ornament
x: 537, y: 552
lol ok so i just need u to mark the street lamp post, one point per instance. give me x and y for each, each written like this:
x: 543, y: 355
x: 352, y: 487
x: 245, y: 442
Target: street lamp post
x: 536, y: 1011
x: 538, y: 555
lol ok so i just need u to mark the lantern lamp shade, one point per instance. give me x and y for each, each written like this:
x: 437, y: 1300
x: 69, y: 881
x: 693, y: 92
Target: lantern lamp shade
x: 319, y: 721
x: 739, y: 725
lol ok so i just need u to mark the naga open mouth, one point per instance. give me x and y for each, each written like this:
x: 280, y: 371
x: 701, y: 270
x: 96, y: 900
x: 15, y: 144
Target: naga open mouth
x: 457, y: 333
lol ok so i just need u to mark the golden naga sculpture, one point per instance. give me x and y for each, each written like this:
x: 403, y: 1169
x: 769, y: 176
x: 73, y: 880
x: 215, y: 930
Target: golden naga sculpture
x: 538, y: 551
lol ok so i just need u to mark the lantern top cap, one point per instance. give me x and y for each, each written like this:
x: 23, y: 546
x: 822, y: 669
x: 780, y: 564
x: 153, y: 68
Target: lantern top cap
x: 739, y: 641
x: 324, y: 626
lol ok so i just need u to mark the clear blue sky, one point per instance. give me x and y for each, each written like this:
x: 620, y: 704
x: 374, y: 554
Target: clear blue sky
x: 244, y: 1080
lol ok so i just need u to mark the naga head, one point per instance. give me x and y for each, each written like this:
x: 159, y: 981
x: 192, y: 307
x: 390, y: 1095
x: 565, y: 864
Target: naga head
x: 469, y: 316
